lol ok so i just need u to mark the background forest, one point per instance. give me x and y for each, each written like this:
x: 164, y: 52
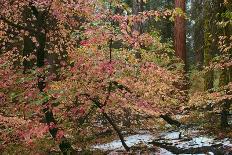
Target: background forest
x: 153, y: 74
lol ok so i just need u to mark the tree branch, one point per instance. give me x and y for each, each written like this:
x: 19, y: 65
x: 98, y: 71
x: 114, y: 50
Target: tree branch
x: 171, y: 121
x: 17, y: 26
x: 108, y: 93
x: 96, y: 101
x: 34, y: 10
x: 121, y: 87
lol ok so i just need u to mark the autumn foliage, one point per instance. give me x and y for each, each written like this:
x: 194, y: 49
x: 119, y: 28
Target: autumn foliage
x: 66, y: 63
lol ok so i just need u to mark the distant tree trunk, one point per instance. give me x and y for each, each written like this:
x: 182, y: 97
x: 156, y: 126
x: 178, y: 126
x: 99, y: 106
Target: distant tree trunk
x: 137, y: 6
x: 180, y: 41
x: 199, y: 57
x: 224, y: 80
x: 225, y: 76
x: 167, y: 32
x: 199, y: 44
x: 208, y: 55
x: 180, y: 32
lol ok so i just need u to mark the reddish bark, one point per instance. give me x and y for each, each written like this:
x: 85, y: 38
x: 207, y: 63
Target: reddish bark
x: 180, y: 32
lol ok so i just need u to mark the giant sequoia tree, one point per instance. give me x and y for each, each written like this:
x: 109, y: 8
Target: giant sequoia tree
x: 180, y: 30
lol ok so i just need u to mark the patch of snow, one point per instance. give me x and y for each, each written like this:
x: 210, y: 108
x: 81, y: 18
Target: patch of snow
x: 130, y: 141
x: 171, y: 135
x: 198, y: 142
x: 226, y: 142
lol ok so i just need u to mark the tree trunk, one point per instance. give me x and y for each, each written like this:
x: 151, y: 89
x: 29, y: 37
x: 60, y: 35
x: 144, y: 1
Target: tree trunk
x: 117, y: 131
x: 197, y: 15
x: 137, y: 6
x: 180, y: 40
x: 28, y: 48
x: 64, y: 145
x: 180, y: 32
x: 170, y: 121
x: 224, y: 80
x: 208, y: 55
x: 115, y: 127
x: 225, y: 76
x: 28, y: 45
x: 167, y: 28
x: 225, y: 114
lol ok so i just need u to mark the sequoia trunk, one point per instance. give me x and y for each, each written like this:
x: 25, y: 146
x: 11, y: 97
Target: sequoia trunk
x: 180, y: 32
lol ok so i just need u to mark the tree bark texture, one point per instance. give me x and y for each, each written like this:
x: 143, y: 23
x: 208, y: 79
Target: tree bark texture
x: 180, y: 32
